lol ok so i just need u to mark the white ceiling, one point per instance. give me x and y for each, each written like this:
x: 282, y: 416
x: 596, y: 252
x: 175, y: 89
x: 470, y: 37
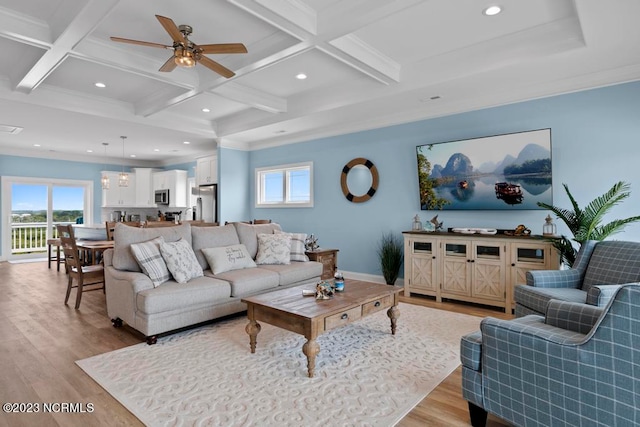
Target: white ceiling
x: 370, y: 63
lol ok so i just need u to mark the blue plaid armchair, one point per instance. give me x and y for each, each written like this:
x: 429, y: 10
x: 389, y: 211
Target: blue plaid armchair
x: 599, y: 270
x: 577, y: 366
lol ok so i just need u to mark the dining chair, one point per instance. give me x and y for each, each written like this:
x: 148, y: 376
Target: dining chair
x: 261, y: 221
x: 111, y: 225
x: 82, y: 274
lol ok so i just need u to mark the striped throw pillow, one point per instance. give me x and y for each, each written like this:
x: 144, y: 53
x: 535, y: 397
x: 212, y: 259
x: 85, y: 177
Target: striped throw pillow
x: 148, y: 256
x: 297, y: 245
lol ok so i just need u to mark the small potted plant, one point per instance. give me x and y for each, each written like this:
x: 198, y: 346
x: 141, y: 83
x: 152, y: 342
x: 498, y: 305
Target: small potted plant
x: 391, y: 255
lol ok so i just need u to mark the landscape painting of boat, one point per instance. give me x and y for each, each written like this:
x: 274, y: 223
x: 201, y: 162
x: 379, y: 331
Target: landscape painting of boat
x: 510, y: 171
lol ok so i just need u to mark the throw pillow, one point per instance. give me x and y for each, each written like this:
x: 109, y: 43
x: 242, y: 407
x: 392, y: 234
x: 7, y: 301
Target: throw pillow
x: 274, y: 249
x: 297, y: 245
x: 227, y: 258
x: 181, y: 261
x: 150, y: 260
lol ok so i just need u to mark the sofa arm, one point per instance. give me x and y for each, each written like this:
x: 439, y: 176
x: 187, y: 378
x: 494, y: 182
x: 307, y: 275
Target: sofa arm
x: 600, y: 295
x: 122, y: 288
x: 500, y: 335
x: 554, y: 278
x: 572, y: 316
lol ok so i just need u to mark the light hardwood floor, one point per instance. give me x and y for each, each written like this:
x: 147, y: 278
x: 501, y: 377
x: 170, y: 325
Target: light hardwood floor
x: 41, y: 338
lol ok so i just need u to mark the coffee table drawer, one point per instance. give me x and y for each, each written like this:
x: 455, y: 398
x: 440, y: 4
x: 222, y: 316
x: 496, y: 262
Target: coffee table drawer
x: 343, y: 318
x: 377, y: 305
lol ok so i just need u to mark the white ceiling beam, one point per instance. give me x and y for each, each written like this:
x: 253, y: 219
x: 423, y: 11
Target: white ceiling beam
x: 24, y: 29
x: 356, y: 53
x: 252, y: 97
x: 89, y: 17
x: 294, y: 11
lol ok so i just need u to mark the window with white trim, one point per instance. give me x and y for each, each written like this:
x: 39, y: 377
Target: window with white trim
x: 285, y: 186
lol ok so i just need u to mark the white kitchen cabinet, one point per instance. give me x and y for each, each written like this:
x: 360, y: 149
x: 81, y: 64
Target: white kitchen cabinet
x: 207, y: 170
x: 116, y: 196
x: 144, y: 188
x: 176, y: 182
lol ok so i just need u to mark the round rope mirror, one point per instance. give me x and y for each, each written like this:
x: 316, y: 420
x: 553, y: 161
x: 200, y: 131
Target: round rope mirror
x: 356, y: 166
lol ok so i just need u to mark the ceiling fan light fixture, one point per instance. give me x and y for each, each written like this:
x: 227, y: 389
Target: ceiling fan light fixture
x: 184, y: 58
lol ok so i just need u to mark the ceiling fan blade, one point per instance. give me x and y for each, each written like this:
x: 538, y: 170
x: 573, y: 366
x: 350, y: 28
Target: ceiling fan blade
x: 213, y: 65
x: 172, y: 29
x: 223, y: 48
x: 149, y: 44
x: 168, y: 66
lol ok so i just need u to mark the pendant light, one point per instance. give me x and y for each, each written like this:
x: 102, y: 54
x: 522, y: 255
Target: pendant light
x: 123, y: 178
x: 105, y: 177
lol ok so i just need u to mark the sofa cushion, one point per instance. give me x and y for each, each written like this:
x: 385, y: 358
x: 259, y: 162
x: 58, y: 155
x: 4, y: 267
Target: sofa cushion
x: 274, y: 249
x: 125, y: 235
x: 613, y: 263
x: 227, y: 258
x: 181, y: 261
x: 296, y: 271
x: 212, y: 237
x: 172, y: 296
x: 297, y: 249
x: 248, y: 281
x: 248, y: 234
x: 150, y: 260
x: 537, y: 298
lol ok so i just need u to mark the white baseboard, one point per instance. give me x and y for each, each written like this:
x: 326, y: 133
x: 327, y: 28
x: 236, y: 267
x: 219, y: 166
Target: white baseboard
x: 374, y: 278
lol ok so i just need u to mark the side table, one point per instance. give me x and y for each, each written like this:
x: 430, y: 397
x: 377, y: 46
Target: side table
x: 329, y: 260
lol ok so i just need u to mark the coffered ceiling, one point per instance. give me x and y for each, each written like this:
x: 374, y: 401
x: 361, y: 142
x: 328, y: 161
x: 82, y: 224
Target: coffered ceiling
x: 369, y: 63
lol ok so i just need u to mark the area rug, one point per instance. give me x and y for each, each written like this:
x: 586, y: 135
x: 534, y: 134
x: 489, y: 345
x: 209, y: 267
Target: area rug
x: 364, y: 375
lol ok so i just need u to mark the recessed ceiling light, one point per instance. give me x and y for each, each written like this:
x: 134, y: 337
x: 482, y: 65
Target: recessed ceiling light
x: 132, y: 155
x: 100, y: 85
x: 156, y: 150
x: 205, y: 110
x: 492, y: 10
x: 89, y: 151
x: 186, y: 142
x: 301, y: 76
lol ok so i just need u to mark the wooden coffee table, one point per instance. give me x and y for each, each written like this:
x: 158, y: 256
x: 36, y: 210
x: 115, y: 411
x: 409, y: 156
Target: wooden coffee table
x: 304, y: 315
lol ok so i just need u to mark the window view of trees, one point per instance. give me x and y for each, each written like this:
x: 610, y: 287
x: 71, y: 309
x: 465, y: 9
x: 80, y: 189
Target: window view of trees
x: 41, y: 216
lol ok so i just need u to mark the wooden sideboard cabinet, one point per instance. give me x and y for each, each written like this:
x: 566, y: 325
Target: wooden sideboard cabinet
x: 475, y: 268
x: 329, y: 260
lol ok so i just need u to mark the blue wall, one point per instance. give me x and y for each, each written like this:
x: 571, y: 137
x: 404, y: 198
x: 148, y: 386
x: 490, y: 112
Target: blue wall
x: 233, y: 189
x: 595, y: 143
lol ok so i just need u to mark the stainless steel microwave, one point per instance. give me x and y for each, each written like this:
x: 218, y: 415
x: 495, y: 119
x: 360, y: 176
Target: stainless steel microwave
x: 162, y: 197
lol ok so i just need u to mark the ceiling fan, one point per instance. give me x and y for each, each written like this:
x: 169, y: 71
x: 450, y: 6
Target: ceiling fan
x: 185, y: 52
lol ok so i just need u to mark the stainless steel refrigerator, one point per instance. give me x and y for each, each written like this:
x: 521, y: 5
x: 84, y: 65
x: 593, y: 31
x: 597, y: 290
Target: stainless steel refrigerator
x: 206, y: 208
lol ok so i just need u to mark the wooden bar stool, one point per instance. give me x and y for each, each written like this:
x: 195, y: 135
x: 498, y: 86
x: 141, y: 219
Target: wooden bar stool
x: 50, y: 256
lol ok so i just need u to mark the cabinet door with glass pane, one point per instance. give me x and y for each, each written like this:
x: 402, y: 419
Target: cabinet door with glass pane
x: 456, y: 268
x: 421, y: 272
x: 488, y: 272
x: 526, y: 256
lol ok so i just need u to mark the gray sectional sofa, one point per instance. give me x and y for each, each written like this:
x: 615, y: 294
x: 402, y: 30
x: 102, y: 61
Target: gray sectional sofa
x: 152, y: 310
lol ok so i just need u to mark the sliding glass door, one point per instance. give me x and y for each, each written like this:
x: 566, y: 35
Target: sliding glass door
x: 33, y: 207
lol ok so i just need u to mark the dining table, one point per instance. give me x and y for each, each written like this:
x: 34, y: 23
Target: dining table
x: 92, y: 250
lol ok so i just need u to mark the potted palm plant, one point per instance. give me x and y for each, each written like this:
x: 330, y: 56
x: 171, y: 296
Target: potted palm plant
x: 391, y: 255
x: 586, y: 224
